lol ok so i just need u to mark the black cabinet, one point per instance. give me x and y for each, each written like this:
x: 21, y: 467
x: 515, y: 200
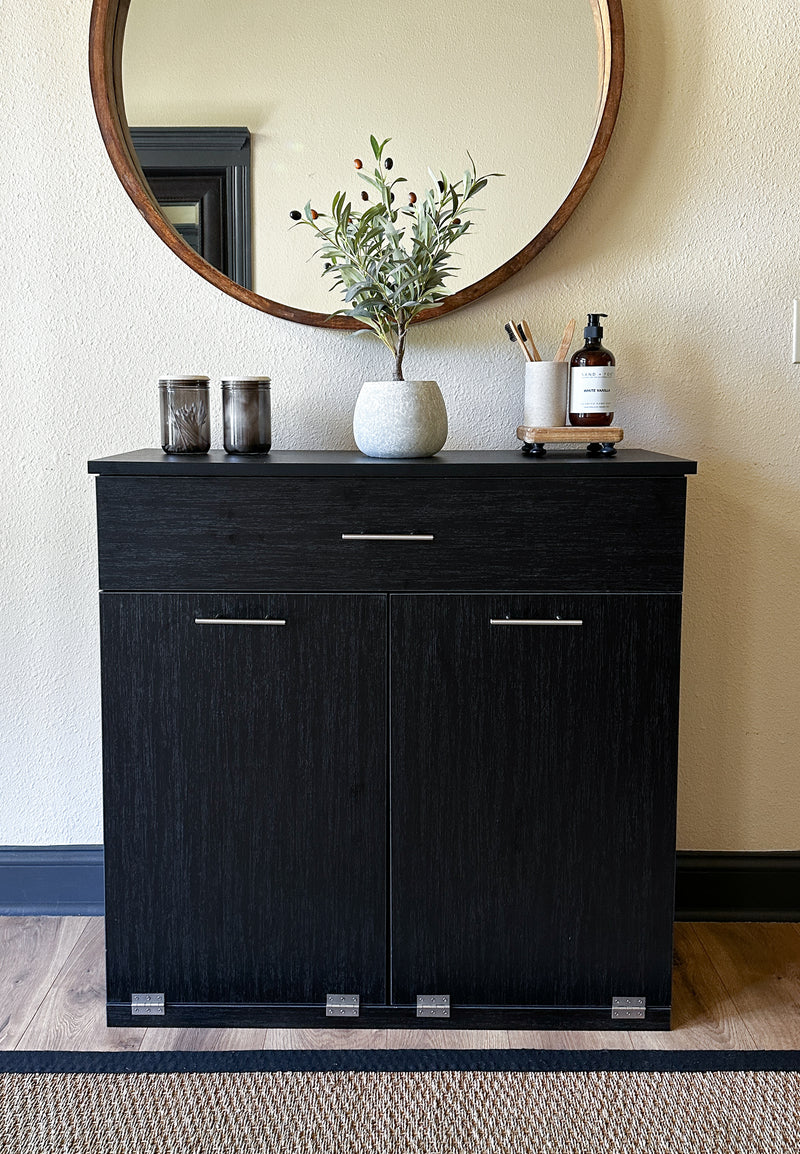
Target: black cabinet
x: 390, y: 729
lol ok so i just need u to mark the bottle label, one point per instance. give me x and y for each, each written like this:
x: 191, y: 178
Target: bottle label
x: 591, y: 389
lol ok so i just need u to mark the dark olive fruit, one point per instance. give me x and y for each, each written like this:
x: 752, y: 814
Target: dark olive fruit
x: 358, y: 164
x: 457, y: 220
x: 328, y: 265
x: 412, y: 198
x: 391, y: 198
x: 365, y: 195
x: 388, y: 162
x: 314, y: 215
x: 295, y: 215
x: 441, y: 185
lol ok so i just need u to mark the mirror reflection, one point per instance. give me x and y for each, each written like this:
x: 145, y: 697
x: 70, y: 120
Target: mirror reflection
x: 516, y: 84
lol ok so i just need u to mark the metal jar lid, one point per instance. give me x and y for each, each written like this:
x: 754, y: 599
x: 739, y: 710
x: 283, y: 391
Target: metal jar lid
x: 246, y: 382
x: 191, y: 380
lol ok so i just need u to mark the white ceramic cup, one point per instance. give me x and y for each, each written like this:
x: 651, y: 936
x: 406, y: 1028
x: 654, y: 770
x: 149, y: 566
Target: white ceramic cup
x: 545, y: 394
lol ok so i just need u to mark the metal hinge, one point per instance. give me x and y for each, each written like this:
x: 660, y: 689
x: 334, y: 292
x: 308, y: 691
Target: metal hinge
x: 433, y: 1005
x: 342, y: 1006
x: 628, y: 1007
x: 147, y: 1004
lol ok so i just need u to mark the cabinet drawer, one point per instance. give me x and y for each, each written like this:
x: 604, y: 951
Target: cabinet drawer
x: 379, y: 534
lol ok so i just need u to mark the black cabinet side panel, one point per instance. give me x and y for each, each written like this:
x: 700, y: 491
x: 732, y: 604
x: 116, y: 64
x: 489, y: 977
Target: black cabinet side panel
x: 533, y: 798
x: 244, y: 797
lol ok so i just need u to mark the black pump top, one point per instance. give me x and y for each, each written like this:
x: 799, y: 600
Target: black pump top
x: 594, y: 330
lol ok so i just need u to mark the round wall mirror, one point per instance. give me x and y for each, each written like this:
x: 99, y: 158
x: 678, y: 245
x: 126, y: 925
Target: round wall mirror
x: 279, y: 101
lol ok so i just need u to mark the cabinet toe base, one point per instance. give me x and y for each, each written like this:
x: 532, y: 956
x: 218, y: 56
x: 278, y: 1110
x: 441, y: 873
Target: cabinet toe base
x: 394, y: 1017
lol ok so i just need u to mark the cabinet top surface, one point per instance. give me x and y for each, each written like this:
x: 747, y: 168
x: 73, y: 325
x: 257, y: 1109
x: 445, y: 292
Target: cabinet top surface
x: 320, y: 463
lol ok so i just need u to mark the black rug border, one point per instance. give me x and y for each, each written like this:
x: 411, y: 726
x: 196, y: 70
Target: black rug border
x: 391, y: 1061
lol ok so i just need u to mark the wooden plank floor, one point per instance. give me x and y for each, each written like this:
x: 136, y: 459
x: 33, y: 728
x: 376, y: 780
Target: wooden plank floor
x: 736, y: 986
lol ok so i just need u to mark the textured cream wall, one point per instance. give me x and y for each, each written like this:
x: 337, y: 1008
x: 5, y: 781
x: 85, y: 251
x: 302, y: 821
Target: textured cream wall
x: 688, y: 238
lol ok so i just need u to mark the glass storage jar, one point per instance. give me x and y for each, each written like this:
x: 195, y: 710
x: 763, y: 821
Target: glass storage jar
x: 185, y: 416
x: 246, y: 415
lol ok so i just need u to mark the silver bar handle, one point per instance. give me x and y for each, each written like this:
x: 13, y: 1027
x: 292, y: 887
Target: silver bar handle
x: 387, y: 536
x: 238, y: 621
x: 532, y: 621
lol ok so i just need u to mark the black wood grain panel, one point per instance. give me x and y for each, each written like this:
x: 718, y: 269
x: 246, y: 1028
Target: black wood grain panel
x: 533, y: 798
x: 244, y: 772
x: 485, y: 463
x: 206, y: 533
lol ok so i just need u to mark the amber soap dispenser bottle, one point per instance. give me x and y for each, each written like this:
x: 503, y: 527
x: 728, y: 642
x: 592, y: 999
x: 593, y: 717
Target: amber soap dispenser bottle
x: 591, y: 379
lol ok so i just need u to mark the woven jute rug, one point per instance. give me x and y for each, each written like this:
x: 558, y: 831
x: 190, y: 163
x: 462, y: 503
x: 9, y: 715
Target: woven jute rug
x: 430, y: 1111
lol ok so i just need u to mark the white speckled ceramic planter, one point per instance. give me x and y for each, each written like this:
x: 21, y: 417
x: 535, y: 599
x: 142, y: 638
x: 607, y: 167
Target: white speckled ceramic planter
x: 400, y: 419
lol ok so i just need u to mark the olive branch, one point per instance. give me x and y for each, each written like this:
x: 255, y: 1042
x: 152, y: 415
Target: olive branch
x: 392, y: 263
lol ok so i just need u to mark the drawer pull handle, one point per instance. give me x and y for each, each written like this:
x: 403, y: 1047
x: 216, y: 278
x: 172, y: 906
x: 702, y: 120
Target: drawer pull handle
x: 237, y: 621
x: 387, y: 536
x: 531, y: 621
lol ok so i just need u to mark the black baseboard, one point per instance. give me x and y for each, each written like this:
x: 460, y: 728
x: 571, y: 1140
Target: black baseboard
x: 737, y: 887
x: 52, y: 880
x: 709, y: 887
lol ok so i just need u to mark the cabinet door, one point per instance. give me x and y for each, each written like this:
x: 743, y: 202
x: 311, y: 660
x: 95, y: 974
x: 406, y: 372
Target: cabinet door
x: 533, y: 798
x: 244, y: 771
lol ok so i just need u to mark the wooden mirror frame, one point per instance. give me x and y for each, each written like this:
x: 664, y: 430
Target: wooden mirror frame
x: 106, y: 34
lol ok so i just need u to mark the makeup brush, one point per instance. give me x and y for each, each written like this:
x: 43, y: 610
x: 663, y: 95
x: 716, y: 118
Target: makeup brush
x: 519, y: 340
x: 566, y: 341
x: 526, y: 328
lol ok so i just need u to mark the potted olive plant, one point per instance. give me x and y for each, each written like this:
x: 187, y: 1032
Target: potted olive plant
x: 391, y: 263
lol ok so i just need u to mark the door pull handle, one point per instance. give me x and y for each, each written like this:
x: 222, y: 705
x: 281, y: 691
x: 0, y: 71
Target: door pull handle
x: 533, y: 621
x: 238, y: 621
x: 387, y: 536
